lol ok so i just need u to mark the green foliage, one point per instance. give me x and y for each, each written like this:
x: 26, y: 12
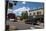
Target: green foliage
x: 24, y: 15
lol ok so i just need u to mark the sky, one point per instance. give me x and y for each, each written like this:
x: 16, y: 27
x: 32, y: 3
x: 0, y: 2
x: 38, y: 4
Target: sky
x: 20, y: 6
x: 31, y: 5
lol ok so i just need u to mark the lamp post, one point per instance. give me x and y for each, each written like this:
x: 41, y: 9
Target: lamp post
x: 33, y: 22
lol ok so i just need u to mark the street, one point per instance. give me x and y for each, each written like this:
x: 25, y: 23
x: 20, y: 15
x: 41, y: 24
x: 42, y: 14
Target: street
x: 22, y: 26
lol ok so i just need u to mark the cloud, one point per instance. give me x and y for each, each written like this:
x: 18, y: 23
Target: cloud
x: 24, y: 2
x: 20, y: 10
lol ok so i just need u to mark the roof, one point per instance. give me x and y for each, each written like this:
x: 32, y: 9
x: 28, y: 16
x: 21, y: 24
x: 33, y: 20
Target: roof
x: 36, y: 9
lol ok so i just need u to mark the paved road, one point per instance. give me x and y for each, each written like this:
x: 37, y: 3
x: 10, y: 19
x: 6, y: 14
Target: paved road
x: 20, y: 25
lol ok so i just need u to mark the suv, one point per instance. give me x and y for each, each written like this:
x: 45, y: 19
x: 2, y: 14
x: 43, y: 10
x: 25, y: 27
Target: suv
x: 12, y: 17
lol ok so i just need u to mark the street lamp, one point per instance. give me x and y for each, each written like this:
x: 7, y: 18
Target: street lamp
x: 33, y: 22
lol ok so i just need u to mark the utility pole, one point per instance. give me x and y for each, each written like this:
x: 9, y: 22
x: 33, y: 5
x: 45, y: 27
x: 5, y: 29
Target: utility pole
x: 6, y: 8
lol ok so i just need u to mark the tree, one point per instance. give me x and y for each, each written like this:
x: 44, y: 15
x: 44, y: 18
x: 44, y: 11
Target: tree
x: 24, y: 15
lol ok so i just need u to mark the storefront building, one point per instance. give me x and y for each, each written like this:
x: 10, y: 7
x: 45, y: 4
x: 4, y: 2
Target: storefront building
x: 37, y: 14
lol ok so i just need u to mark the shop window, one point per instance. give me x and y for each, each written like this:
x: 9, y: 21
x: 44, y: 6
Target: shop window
x: 30, y: 13
x: 33, y: 13
x: 38, y: 13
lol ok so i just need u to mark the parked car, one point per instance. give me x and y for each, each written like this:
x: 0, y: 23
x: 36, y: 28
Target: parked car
x: 12, y: 17
x: 31, y: 21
